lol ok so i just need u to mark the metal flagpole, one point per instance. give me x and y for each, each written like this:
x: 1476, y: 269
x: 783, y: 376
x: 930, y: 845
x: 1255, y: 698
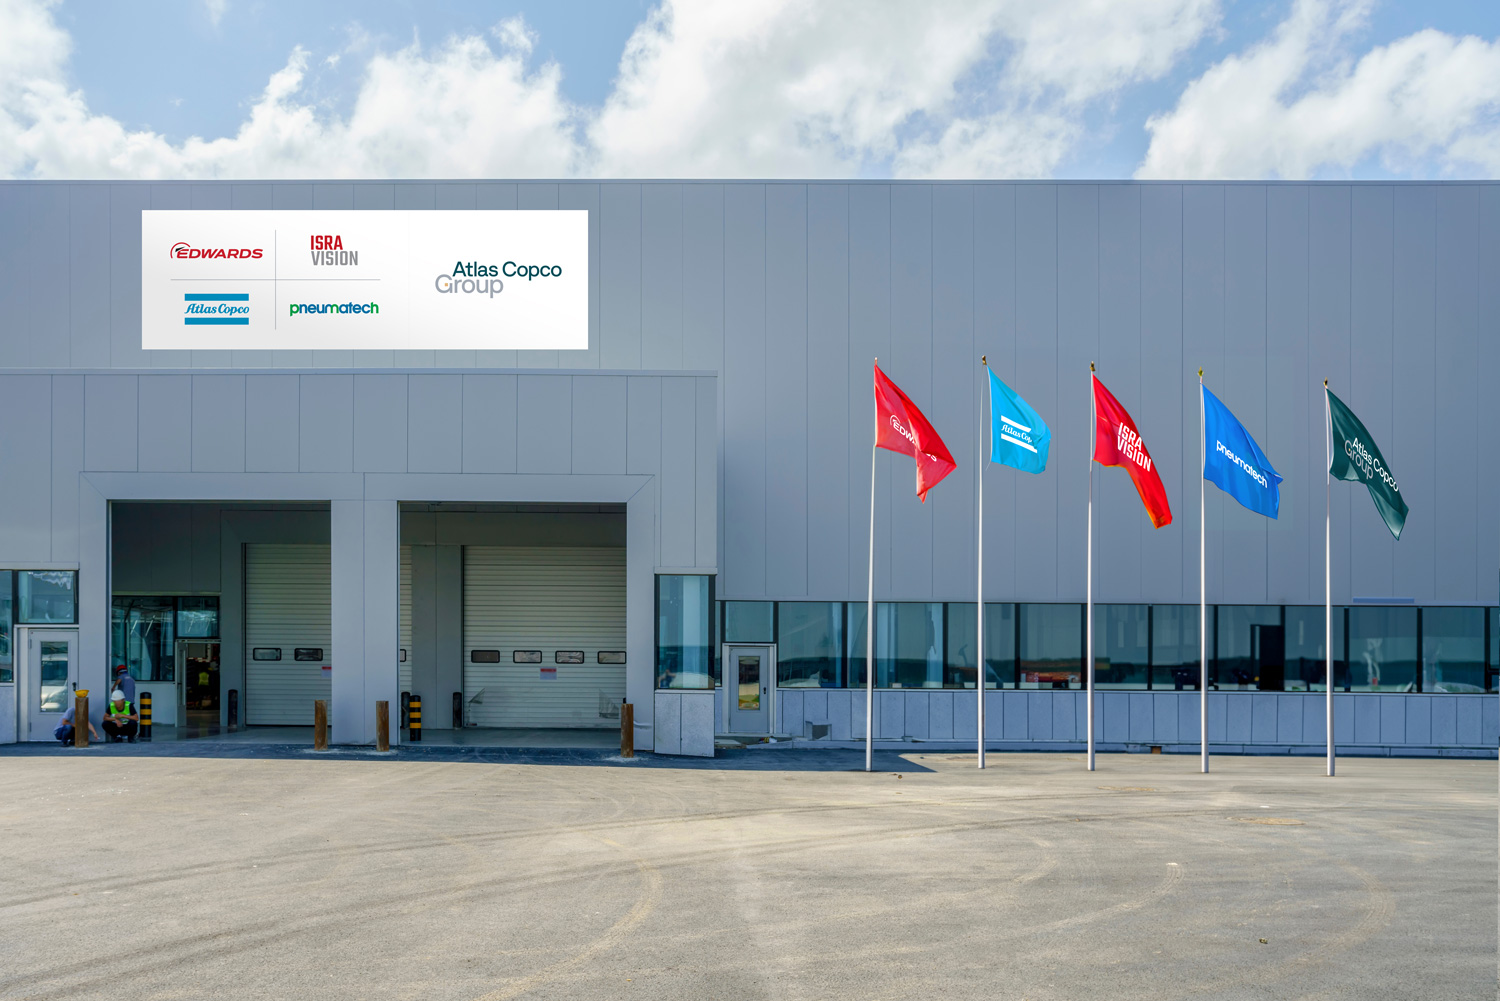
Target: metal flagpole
x: 1202, y: 583
x: 1328, y: 570
x: 979, y: 591
x: 1089, y: 646
x: 870, y: 604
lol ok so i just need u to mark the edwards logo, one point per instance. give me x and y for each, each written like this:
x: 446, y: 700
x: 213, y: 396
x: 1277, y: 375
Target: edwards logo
x: 184, y: 252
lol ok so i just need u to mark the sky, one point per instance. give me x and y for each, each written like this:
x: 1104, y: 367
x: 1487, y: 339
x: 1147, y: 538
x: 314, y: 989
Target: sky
x: 1279, y: 89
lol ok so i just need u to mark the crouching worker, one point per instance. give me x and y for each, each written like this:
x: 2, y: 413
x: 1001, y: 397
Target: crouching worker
x: 64, y: 731
x: 120, y: 719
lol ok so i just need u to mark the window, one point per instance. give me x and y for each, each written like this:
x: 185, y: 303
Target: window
x: 1051, y: 646
x: 143, y: 637
x: 749, y: 622
x: 1382, y: 649
x: 809, y: 644
x: 683, y: 657
x: 7, y: 626
x: 198, y: 618
x: 908, y: 644
x: 1249, y: 649
x: 1306, y: 654
x: 1175, y: 655
x: 307, y: 654
x: 1122, y: 646
x: 1453, y: 649
x: 47, y: 596
x: 266, y: 653
x: 999, y: 645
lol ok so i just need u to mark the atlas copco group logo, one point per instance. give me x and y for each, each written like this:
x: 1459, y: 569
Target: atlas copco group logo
x: 484, y: 279
x: 186, y: 252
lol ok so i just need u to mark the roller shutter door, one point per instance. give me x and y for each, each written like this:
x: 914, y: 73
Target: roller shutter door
x: 405, y: 639
x: 288, y: 606
x: 545, y: 599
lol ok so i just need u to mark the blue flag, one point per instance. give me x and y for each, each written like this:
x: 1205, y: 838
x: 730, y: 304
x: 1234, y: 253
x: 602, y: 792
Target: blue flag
x: 1234, y: 462
x: 1018, y: 435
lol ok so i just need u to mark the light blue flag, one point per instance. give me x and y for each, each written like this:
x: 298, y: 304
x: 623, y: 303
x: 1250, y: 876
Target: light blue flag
x: 1018, y: 435
x: 1234, y: 462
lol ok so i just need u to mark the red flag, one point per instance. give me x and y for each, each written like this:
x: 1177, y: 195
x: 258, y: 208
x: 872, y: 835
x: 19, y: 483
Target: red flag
x: 1118, y: 443
x: 900, y: 427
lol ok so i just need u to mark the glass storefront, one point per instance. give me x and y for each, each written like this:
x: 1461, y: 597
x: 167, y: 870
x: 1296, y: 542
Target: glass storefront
x: 1266, y: 648
x: 684, y: 656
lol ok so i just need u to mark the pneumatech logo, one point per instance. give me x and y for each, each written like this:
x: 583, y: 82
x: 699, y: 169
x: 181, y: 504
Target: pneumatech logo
x: 184, y: 252
x: 216, y: 309
x: 329, y: 308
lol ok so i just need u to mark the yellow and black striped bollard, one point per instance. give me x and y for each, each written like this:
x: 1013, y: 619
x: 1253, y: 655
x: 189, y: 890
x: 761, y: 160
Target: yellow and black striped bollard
x: 414, y: 720
x: 145, y: 715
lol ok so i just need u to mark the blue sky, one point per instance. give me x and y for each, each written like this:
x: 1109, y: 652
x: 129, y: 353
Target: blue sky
x: 1067, y: 88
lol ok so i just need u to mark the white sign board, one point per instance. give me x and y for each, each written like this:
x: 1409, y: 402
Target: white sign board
x: 331, y: 280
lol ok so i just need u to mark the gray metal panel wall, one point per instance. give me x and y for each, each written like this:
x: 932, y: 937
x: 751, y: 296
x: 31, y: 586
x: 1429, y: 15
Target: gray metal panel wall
x: 788, y: 290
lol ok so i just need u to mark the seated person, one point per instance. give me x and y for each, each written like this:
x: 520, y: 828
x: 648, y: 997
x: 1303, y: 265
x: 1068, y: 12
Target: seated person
x: 64, y: 731
x: 120, y: 719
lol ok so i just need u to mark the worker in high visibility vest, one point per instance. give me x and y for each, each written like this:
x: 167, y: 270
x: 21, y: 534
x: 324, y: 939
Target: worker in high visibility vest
x: 120, y: 719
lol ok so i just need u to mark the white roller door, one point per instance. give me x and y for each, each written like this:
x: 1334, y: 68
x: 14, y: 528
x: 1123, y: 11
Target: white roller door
x: 405, y: 628
x: 546, y: 600
x: 288, y: 608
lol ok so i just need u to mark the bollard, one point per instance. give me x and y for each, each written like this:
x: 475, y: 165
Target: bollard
x: 81, y: 718
x: 145, y: 716
x: 458, y: 710
x: 234, y: 709
x: 414, y: 720
x: 382, y: 726
x: 627, y: 730
x: 320, y: 725
x: 405, y: 711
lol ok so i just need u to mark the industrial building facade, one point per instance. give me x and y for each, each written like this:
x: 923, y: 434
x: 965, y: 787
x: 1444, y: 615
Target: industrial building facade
x: 677, y: 516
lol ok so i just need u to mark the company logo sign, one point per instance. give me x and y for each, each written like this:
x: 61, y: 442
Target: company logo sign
x: 365, y: 280
x: 328, y: 251
x: 187, y: 252
x: 216, y: 309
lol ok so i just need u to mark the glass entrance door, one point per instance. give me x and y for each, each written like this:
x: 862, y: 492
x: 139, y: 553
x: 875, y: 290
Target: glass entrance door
x: 51, y: 669
x: 198, y: 683
x: 750, y: 672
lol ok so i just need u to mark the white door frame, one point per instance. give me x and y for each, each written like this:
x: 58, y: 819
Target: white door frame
x: 770, y: 648
x: 21, y: 648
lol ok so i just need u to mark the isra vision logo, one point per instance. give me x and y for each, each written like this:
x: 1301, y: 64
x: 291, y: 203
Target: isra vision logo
x: 217, y: 309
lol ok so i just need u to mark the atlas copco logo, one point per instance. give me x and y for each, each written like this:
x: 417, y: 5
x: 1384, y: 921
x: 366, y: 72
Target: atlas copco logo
x: 186, y: 252
x: 472, y: 277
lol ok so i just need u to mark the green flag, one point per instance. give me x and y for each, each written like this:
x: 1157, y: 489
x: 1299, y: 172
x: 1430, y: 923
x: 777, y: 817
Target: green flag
x: 1356, y: 458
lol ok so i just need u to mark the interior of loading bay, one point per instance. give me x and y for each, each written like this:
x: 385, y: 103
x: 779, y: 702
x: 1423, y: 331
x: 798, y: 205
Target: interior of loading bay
x: 512, y: 617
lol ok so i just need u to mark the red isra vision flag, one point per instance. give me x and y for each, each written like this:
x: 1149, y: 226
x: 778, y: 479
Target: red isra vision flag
x: 1118, y: 443
x: 900, y: 427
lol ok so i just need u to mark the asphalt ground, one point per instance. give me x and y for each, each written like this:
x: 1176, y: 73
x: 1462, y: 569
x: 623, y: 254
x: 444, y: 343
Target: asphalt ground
x: 135, y: 873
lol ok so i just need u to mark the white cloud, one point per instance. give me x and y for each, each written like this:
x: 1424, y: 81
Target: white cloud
x: 215, y: 9
x: 777, y: 88
x: 1299, y: 103
x: 841, y: 87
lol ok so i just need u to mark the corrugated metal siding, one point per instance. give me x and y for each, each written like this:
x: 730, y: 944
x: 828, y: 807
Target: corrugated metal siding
x: 405, y: 627
x: 288, y: 604
x: 547, y: 599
